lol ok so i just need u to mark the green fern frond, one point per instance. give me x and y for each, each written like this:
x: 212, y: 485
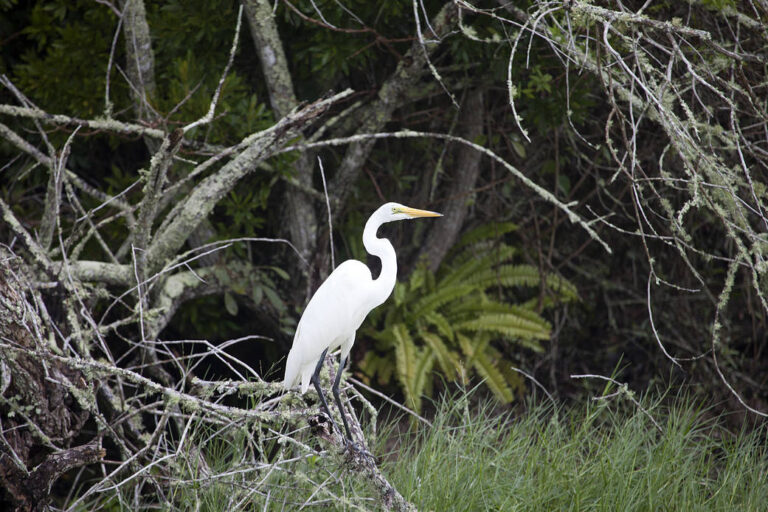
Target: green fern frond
x: 514, y: 380
x: 440, y: 296
x: 474, y: 305
x: 493, y: 377
x: 418, y: 278
x: 423, y: 364
x: 507, y: 275
x: 446, y: 358
x: 563, y: 288
x: 472, y: 346
x: 516, y: 326
x: 442, y: 324
x: 522, y: 276
x: 455, y: 275
x: 473, y: 261
x: 376, y: 366
x: 405, y: 355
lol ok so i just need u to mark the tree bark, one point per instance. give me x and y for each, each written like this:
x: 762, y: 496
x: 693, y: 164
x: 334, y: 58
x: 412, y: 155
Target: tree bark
x: 466, y: 168
x: 300, y: 215
x: 40, y: 414
x: 376, y: 115
x: 140, y: 58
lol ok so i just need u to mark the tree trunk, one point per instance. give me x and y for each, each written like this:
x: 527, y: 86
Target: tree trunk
x: 299, y: 214
x: 466, y: 167
x: 39, y: 413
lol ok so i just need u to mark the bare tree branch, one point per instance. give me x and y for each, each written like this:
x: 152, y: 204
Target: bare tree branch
x: 140, y: 58
x: 378, y: 113
x: 204, y: 197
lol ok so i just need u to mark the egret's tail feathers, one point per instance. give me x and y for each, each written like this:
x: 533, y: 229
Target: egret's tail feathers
x: 292, y: 370
x: 291, y: 376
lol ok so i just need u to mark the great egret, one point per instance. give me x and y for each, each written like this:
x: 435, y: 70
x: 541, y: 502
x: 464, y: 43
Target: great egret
x: 341, y: 304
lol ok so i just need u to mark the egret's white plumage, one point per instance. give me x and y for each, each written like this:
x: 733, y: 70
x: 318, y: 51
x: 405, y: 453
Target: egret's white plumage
x: 330, y: 321
x: 342, y: 302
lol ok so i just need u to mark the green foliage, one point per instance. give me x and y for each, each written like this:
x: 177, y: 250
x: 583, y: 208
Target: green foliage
x: 323, y: 57
x: 63, y: 68
x: 597, y: 458
x: 455, y: 318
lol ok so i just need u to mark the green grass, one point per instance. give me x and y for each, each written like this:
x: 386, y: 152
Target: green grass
x: 589, y: 458
x: 594, y: 456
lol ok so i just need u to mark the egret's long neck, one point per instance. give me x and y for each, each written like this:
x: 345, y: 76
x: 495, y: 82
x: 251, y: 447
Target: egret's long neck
x: 381, y: 247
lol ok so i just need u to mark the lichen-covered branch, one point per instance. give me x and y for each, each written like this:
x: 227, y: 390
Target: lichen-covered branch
x: 300, y: 215
x: 140, y: 58
x: 204, y: 197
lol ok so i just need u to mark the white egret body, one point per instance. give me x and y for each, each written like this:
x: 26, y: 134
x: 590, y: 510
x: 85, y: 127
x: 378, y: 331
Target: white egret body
x: 342, y: 302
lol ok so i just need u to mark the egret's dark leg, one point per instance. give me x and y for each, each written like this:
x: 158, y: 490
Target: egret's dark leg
x: 335, y: 391
x: 316, y: 381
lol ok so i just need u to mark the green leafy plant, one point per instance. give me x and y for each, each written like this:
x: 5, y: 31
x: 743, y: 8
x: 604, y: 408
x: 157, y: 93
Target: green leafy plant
x: 458, y: 317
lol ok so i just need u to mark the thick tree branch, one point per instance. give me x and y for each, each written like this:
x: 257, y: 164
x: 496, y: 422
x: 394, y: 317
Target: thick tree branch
x: 204, y: 197
x: 377, y: 114
x: 104, y: 125
x: 466, y: 168
x: 140, y: 58
x: 300, y: 214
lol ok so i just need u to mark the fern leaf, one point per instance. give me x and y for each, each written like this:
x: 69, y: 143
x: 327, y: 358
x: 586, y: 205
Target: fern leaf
x: 475, y: 260
x: 507, y: 275
x: 442, y: 324
x: 514, y: 380
x: 440, y: 296
x: 449, y: 363
x: 474, y: 305
x: 493, y: 377
x: 523, y: 276
x: 562, y: 287
x: 406, y: 359
x: 472, y: 346
x: 418, y: 278
x: 423, y: 364
x: 404, y: 352
x: 456, y: 274
x: 514, y: 326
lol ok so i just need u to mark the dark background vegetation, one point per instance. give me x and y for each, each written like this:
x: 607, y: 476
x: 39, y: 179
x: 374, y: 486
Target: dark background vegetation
x: 597, y: 312
x: 55, y: 52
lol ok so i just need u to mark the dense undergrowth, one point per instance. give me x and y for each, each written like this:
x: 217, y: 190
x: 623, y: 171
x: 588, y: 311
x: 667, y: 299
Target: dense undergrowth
x: 586, y: 457
x: 598, y: 455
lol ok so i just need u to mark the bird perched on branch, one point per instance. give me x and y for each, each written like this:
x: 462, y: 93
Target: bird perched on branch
x: 340, y: 305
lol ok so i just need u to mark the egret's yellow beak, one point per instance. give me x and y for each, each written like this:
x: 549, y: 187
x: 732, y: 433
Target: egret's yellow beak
x: 413, y: 212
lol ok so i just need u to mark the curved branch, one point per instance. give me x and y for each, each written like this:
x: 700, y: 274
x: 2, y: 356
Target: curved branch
x: 374, y: 116
x: 204, y: 197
